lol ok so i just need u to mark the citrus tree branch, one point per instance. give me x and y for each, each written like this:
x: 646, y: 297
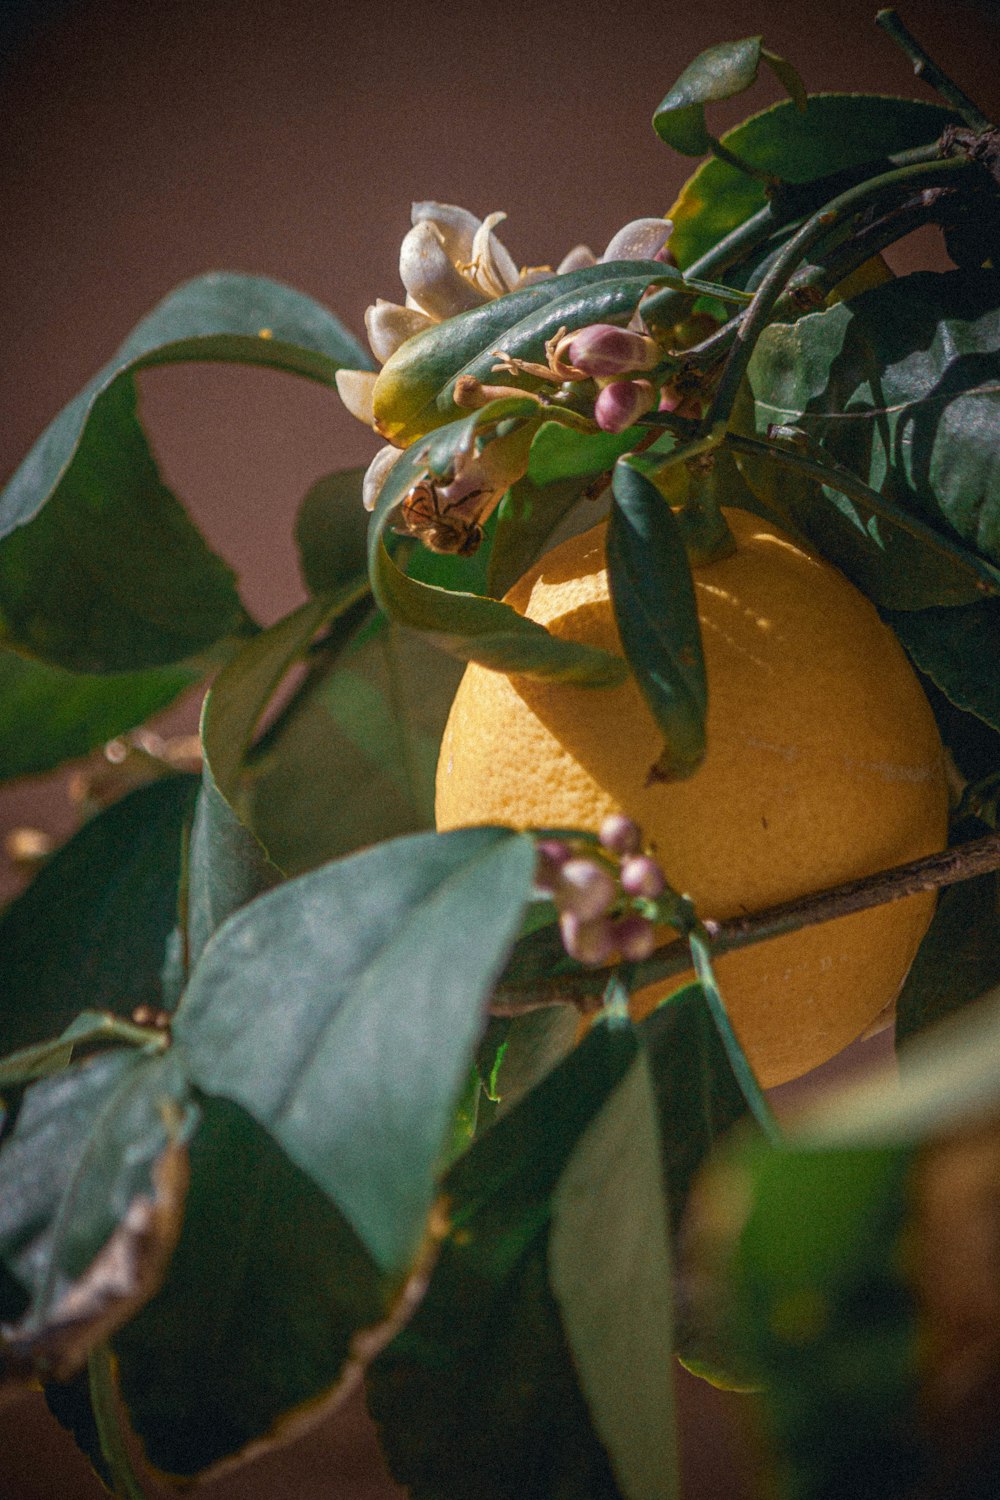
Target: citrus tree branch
x: 927, y: 69
x: 583, y: 987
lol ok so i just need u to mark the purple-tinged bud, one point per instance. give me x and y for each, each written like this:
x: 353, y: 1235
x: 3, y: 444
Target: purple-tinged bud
x: 642, y: 876
x: 552, y: 855
x: 585, y: 890
x: 589, y: 942
x: 635, y: 938
x: 623, y: 402
x: 603, y: 350
x: 621, y: 834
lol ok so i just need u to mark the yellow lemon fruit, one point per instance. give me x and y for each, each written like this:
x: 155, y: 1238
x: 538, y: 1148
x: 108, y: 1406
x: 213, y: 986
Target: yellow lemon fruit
x: 823, y: 765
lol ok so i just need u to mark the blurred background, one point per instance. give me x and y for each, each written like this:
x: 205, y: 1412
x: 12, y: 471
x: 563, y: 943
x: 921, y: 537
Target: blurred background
x: 145, y: 143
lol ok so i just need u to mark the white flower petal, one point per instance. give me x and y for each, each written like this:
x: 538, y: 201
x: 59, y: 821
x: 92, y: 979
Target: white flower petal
x: 642, y: 239
x: 356, y: 388
x: 430, y: 278
x: 577, y: 259
x: 531, y: 275
x: 375, y: 474
x: 493, y: 268
x: 457, y: 226
x: 390, y: 325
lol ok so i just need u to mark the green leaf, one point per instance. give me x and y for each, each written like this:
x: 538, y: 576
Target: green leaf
x: 228, y: 866
x: 478, y: 1395
x: 657, y: 617
x: 257, y: 1314
x: 835, y: 133
x: 465, y: 625
x: 331, y: 530
x: 561, y: 452
x: 355, y: 763
x: 356, y: 1067
x: 88, y: 500
x: 720, y: 72
x: 90, y: 932
x: 525, y: 520
x: 958, y: 960
x: 92, y: 1176
x: 51, y: 715
x: 900, y: 387
x: 957, y: 649
x: 609, y: 1263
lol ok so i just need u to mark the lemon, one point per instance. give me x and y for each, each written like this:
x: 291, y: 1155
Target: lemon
x: 823, y: 765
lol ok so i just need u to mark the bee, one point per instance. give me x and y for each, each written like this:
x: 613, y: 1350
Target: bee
x: 446, y: 529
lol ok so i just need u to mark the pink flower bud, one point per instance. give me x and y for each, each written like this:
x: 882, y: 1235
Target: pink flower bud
x: 622, y: 402
x: 642, y: 876
x: 552, y: 855
x: 585, y: 889
x: 602, y: 350
x: 589, y: 942
x: 635, y: 938
x: 621, y: 834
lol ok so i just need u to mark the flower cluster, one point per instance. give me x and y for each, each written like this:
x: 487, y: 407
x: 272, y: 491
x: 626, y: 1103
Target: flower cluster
x: 450, y: 262
x: 606, y: 899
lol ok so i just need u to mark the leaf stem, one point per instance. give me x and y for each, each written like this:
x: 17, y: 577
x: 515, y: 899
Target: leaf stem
x: 826, y: 471
x: 759, y: 174
x: 927, y: 69
x: 583, y: 987
x: 758, y: 314
x: 107, y: 1416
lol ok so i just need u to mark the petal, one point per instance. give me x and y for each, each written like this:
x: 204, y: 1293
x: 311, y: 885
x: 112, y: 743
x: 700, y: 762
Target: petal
x: 355, y: 389
x: 456, y: 225
x: 390, y: 325
x: 577, y: 259
x: 493, y: 267
x: 642, y: 239
x: 375, y: 474
x: 430, y: 277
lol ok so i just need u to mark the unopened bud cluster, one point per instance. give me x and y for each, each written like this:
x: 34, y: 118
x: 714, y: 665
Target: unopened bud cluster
x: 603, y: 897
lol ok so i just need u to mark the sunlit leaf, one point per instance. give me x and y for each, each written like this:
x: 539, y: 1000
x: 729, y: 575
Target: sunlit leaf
x: 720, y: 72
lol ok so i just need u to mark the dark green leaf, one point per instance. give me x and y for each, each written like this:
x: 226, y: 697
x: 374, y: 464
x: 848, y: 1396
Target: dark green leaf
x: 90, y: 932
x: 609, y: 1263
x: 958, y: 650
x: 526, y: 519
x: 356, y: 1067
x: 657, y: 617
x: 900, y: 387
x: 355, y: 762
x: 478, y: 1395
x: 266, y: 1290
x: 413, y: 391
x: 465, y: 625
x: 836, y: 132
x: 101, y: 569
x: 561, y: 452
x: 721, y: 72
x: 331, y: 531
x: 93, y: 1166
x: 228, y: 865
x: 958, y: 960
x: 50, y: 715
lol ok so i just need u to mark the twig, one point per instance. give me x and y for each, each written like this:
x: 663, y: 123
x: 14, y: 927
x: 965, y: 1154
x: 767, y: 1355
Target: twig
x: 927, y: 69
x: 582, y: 987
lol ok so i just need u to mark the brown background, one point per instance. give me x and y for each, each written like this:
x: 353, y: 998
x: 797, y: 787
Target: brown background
x: 144, y: 143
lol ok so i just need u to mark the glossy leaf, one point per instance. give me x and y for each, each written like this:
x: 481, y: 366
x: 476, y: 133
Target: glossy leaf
x: 92, y: 1167
x: 958, y: 960
x: 51, y: 715
x: 256, y: 1317
x: 228, y: 865
x: 561, y: 452
x: 836, y: 132
x: 413, y: 391
x: 356, y: 1067
x: 90, y: 932
x: 957, y: 649
x: 657, y: 617
x: 720, y: 72
x: 146, y: 588
x: 609, y: 1263
x: 900, y: 388
x: 465, y: 625
x: 478, y: 1394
